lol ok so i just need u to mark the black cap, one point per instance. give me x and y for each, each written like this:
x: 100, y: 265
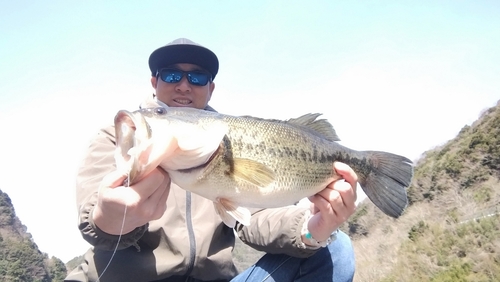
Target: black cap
x: 183, y: 50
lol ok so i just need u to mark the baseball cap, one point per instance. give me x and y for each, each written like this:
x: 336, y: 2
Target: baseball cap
x: 183, y: 50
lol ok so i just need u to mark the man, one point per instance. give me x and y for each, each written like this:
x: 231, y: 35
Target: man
x: 168, y: 234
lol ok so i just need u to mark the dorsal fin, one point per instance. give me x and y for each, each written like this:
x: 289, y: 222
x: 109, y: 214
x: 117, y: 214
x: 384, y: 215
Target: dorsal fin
x: 319, y: 127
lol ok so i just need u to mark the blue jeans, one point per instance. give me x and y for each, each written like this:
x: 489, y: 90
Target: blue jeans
x: 334, y: 263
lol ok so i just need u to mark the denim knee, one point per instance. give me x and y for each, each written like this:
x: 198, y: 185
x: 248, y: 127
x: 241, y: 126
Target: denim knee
x: 342, y: 255
x: 333, y: 263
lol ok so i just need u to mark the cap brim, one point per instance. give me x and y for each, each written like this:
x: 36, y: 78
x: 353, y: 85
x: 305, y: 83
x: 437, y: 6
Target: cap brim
x: 183, y: 53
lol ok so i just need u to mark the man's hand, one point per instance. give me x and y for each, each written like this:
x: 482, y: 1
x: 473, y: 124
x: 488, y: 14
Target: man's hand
x: 146, y: 200
x: 333, y: 205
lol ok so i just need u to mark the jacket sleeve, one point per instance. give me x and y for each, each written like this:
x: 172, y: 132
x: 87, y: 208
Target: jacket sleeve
x: 277, y: 231
x: 97, y: 163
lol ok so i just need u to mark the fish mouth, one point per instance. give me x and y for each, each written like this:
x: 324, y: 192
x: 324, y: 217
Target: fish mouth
x: 125, y: 119
x: 125, y: 130
x: 131, y: 129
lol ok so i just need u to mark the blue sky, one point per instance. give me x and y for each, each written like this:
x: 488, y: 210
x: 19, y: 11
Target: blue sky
x: 398, y: 76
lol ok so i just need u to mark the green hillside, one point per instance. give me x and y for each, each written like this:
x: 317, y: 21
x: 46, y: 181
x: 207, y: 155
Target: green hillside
x: 20, y: 259
x: 451, y: 230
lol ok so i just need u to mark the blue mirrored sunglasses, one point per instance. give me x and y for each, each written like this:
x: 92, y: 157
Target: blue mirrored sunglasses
x: 198, y: 78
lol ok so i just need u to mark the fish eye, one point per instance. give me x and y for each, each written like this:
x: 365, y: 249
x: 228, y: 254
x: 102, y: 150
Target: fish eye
x: 160, y: 111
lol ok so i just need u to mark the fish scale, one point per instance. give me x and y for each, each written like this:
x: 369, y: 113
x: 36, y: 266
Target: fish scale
x: 304, y: 168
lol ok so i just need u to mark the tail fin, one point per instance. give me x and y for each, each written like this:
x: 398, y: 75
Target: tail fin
x: 386, y: 183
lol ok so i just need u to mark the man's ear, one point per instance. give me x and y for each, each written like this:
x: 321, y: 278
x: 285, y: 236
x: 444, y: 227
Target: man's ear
x: 211, y: 90
x: 154, y: 82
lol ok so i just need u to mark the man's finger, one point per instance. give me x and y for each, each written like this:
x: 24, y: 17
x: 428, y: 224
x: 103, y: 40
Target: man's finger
x: 348, y: 174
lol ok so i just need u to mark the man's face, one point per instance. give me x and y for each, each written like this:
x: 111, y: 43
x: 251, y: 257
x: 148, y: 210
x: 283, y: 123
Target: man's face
x: 182, y: 93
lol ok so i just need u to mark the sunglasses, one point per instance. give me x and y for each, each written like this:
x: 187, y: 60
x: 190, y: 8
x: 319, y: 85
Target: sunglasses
x: 170, y: 75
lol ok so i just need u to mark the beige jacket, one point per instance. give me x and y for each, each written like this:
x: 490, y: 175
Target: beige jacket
x: 189, y: 239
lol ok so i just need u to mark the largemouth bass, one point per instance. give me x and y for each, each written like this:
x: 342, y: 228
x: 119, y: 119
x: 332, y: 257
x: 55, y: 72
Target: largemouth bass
x: 242, y: 162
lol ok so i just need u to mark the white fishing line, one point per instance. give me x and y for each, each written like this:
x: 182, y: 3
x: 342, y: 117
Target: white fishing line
x: 119, y: 237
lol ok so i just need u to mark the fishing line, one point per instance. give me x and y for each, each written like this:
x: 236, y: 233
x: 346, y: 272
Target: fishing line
x: 119, y: 237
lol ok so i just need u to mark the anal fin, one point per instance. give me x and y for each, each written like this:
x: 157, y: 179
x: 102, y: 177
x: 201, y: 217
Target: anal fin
x: 230, y: 212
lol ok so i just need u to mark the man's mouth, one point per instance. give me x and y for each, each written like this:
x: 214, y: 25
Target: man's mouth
x: 182, y: 101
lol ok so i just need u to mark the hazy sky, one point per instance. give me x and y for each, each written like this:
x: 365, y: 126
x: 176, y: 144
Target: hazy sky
x: 389, y: 76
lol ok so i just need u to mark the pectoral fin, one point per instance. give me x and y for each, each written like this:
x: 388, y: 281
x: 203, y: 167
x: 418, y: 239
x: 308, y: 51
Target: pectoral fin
x: 254, y: 172
x: 230, y: 212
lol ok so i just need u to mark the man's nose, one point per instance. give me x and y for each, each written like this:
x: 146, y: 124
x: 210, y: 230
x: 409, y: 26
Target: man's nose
x: 183, y: 85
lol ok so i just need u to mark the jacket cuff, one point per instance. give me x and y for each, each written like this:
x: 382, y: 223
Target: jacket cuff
x: 297, y: 228
x: 102, y: 240
x: 277, y: 231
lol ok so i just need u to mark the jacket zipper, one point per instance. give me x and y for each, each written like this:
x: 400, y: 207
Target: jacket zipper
x: 192, y: 239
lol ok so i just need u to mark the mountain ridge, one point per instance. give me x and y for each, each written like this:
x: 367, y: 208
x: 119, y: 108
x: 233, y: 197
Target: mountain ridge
x: 20, y: 258
x: 451, y: 228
